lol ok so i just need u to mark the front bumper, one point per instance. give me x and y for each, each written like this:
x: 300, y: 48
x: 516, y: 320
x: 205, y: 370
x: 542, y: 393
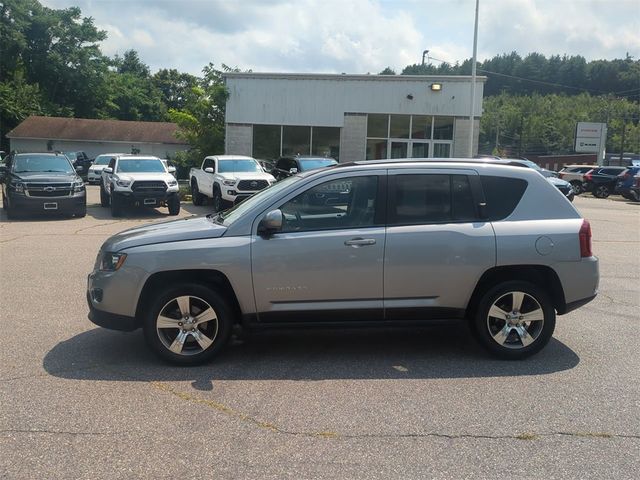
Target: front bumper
x: 111, y: 321
x: 26, y: 204
x: 151, y: 199
x: 112, y: 299
x: 94, y: 176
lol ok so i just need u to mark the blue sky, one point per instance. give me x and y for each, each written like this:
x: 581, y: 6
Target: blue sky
x: 356, y: 36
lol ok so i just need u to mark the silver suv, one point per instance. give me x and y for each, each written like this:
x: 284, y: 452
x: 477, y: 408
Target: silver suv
x: 374, y: 243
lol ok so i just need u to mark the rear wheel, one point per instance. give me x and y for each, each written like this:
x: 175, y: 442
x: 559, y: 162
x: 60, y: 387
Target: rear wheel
x: 196, y: 197
x: 601, y: 191
x: 187, y: 324
x: 514, y: 320
x: 577, y: 187
x: 174, y: 205
x: 104, y: 198
x: 81, y: 212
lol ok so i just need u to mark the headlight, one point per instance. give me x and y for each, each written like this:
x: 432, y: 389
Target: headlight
x: 229, y: 183
x: 123, y: 183
x: 172, y: 183
x: 112, y: 261
x: 78, y: 186
x: 18, y: 187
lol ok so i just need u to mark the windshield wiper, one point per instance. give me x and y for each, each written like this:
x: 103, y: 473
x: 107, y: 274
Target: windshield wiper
x: 56, y: 171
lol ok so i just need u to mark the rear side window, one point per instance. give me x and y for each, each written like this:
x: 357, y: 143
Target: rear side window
x: 432, y: 198
x: 502, y: 195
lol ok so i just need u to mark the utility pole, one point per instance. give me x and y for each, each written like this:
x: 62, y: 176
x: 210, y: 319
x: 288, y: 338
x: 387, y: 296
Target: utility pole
x: 624, y: 128
x: 473, y: 82
x: 425, y: 53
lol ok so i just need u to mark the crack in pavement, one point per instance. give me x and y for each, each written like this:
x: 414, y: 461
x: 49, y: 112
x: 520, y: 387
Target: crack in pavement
x: 328, y: 434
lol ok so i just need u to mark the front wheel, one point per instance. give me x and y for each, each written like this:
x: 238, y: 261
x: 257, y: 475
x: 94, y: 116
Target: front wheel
x: 196, y: 197
x: 104, y: 198
x: 187, y: 324
x: 174, y: 205
x: 514, y: 320
x: 217, y: 201
x: 601, y: 191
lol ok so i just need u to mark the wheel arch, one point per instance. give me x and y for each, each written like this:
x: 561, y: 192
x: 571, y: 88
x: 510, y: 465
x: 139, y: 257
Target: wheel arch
x: 540, y: 275
x: 211, y: 278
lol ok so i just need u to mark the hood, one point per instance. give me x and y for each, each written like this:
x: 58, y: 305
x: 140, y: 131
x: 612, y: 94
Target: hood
x: 192, y: 228
x: 97, y: 167
x: 47, y: 177
x: 132, y: 176
x: 558, y: 182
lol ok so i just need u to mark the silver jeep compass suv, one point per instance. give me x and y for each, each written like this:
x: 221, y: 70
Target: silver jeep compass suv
x: 369, y: 243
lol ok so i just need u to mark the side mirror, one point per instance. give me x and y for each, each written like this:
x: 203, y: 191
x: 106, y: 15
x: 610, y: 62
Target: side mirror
x: 293, y: 171
x: 208, y: 170
x: 270, y: 223
x: 171, y: 169
x: 108, y: 170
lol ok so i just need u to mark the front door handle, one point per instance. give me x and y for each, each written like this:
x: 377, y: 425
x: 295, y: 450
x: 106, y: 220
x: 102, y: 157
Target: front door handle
x: 360, y: 242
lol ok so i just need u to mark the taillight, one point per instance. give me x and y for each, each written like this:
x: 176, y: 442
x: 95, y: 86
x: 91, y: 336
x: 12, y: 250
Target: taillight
x: 585, y: 239
x: 561, y: 175
x: 588, y: 176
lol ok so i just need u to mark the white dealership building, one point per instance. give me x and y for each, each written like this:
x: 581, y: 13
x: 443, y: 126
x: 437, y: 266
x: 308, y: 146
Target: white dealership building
x: 350, y: 117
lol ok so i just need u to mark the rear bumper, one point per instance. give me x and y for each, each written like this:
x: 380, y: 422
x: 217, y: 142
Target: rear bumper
x: 579, y: 280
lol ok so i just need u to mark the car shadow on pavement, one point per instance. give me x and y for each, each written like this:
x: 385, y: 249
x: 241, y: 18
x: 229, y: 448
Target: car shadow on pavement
x: 427, y: 352
x: 146, y: 213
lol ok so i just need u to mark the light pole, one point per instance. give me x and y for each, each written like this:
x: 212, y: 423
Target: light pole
x: 426, y: 52
x: 473, y: 81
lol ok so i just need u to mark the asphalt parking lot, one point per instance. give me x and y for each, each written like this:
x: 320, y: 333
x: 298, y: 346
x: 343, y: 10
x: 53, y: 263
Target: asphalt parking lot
x: 77, y: 401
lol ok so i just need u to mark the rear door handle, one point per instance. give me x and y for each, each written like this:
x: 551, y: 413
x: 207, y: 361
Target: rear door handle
x: 360, y: 242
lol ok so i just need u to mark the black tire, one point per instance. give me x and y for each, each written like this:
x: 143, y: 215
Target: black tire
x: 174, y: 205
x: 81, y: 212
x: 196, y: 197
x: 577, y: 187
x: 104, y: 198
x: 4, y: 202
x: 216, y: 331
x: 601, y: 191
x: 512, y: 345
x: 218, y: 202
x: 116, y: 207
x: 10, y: 212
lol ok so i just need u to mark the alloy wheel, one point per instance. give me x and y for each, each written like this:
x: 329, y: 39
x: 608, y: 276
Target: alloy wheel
x: 187, y: 325
x: 515, y: 320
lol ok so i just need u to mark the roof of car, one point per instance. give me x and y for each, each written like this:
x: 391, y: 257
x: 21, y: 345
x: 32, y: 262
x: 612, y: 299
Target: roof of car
x: 230, y: 157
x: 422, y: 161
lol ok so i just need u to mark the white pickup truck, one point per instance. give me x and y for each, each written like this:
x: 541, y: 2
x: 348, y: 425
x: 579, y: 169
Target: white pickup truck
x: 227, y: 179
x: 138, y: 181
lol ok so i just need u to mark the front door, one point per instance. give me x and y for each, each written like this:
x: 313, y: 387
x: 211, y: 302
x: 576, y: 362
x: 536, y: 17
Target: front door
x: 326, y: 262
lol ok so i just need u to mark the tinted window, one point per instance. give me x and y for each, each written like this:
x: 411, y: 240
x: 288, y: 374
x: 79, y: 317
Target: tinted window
x: 502, y: 195
x: 208, y: 163
x: 315, y: 163
x: 432, y: 199
x: 337, y: 204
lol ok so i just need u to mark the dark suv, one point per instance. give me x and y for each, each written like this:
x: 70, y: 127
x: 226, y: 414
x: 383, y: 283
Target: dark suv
x: 601, y: 181
x: 625, y: 181
x: 287, y: 166
x: 41, y: 182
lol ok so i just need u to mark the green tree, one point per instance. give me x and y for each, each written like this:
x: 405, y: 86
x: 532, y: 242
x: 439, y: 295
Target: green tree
x: 174, y: 87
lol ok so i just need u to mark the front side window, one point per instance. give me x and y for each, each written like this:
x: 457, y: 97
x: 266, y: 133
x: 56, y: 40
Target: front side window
x: 432, y: 198
x: 208, y: 163
x: 336, y: 204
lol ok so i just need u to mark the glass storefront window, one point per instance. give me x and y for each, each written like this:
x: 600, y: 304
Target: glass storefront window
x: 376, y: 149
x: 443, y: 128
x: 400, y: 126
x: 296, y: 140
x: 326, y: 142
x: 420, y: 150
x: 421, y: 127
x: 266, y: 141
x: 441, y: 150
x: 377, y: 125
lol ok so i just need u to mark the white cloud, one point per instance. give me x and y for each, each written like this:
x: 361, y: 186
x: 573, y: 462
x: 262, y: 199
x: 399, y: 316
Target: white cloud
x: 356, y: 36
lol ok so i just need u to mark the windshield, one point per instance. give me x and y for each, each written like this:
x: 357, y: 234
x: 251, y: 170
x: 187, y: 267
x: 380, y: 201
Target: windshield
x: 102, y: 159
x: 140, y: 165
x: 233, y: 166
x: 42, y: 163
x: 229, y: 216
x: 314, y: 163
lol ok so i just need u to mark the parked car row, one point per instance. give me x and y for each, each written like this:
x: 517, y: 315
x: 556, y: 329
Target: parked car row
x: 602, y: 181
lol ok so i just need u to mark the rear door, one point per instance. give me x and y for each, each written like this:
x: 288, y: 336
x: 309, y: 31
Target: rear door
x: 437, y: 248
